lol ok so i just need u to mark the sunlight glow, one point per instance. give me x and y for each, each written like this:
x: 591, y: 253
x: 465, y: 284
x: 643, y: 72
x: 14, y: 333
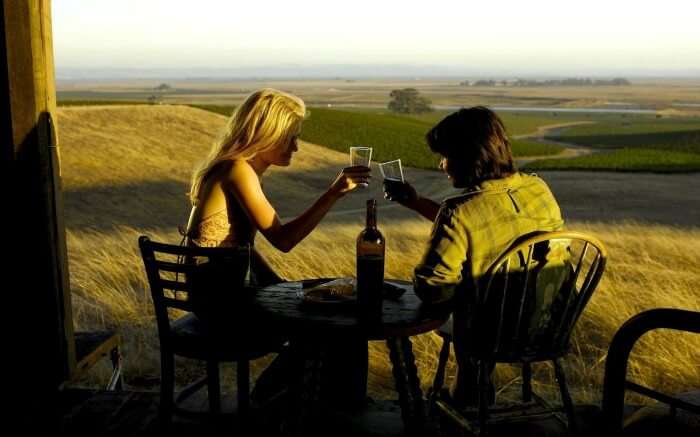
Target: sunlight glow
x: 538, y: 34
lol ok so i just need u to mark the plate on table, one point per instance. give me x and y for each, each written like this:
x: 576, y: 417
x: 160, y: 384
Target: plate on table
x: 335, y: 292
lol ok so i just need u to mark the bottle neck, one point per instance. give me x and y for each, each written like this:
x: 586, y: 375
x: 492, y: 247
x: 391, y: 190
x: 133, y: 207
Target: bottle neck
x: 371, y: 214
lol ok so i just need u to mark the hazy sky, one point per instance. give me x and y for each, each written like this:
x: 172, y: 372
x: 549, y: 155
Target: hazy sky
x: 539, y: 35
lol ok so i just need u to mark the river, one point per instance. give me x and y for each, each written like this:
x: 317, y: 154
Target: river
x: 554, y: 109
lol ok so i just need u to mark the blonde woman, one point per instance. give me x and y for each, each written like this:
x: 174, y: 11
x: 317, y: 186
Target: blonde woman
x: 229, y: 205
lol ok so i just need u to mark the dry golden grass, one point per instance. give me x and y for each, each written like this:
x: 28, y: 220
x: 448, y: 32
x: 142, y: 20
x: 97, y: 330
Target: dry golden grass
x: 115, y: 160
x: 650, y: 266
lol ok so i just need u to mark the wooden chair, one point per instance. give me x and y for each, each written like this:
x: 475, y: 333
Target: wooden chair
x: 90, y: 347
x: 210, y: 283
x: 650, y: 420
x: 527, y: 307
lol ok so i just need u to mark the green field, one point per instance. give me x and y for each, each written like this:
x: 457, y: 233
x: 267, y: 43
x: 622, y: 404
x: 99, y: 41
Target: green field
x: 393, y: 136
x: 636, y: 144
x: 681, y: 135
x: 521, y: 123
x: 517, y: 123
x: 626, y: 160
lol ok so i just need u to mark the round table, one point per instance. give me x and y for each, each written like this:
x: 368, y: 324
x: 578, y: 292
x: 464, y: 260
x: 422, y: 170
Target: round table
x: 402, y: 317
x: 319, y: 324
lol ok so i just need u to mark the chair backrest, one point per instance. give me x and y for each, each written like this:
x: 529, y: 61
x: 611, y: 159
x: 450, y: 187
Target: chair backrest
x: 533, y: 294
x: 191, y: 279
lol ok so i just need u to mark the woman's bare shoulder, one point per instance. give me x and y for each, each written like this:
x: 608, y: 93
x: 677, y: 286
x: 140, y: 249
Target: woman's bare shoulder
x: 240, y: 174
x: 240, y: 168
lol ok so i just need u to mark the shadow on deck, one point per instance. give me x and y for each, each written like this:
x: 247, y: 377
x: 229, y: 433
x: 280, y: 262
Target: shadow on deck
x: 132, y: 413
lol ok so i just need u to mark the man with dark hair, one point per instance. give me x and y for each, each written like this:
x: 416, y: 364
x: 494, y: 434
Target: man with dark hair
x: 498, y: 205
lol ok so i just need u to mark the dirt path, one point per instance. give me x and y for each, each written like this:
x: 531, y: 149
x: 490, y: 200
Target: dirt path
x: 543, y: 130
x: 570, y: 150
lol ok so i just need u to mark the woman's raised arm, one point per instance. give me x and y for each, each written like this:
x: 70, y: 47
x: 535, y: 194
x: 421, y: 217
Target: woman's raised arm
x: 244, y: 183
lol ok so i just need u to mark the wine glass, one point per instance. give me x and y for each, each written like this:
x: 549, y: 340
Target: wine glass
x: 361, y: 156
x: 393, y: 179
x: 391, y: 171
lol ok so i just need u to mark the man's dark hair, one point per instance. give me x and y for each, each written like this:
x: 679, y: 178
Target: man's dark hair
x: 476, y: 139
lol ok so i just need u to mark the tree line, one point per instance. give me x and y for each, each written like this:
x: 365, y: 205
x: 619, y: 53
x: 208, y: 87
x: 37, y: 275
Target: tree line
x: 571, y: 81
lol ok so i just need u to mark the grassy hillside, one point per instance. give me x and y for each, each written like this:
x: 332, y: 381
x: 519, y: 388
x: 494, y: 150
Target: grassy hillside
x: 126, y: 170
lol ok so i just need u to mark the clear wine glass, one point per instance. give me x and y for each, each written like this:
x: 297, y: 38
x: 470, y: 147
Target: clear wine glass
x: 392, y: 171
x: 361, y: 156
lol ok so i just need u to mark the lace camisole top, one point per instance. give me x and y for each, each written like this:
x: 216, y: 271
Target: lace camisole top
x: 228, y: 227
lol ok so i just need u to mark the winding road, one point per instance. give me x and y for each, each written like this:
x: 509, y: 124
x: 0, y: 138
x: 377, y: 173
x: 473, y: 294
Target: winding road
x: 570, y: 150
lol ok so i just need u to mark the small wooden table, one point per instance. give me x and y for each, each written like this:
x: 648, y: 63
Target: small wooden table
x: 317, y: 324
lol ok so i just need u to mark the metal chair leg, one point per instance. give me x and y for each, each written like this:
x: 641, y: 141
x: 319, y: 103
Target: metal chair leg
x: 527, y: 382
x: 213, y: 387
x: 115, y: 381
x: 565, y: 396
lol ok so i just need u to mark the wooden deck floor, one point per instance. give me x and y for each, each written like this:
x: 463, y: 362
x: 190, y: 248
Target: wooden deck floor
x: 133, y: 413
x: 128, y: 413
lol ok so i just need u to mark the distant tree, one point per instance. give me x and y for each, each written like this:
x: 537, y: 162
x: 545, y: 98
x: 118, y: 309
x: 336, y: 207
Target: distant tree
x: 163, y: 87
x: 464, y: 83
x: 620, y: 81
x: 153, y: 99
x: 482, y: 82
x: 408, y: 101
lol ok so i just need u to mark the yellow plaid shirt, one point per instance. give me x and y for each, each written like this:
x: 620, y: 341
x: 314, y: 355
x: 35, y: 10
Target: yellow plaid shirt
x: 473, y: 229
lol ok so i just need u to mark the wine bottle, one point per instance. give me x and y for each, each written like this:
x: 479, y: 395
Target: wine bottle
x: 370, y: 262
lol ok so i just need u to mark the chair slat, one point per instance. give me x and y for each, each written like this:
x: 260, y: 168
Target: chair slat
x: 183, y: 305
x: 579, y: 265
x: 174, y: 285
x: 585, y: 292
x: 168, y: 266
x: 170, y: 249
x: 486, y: 292
x: 589, y: 275
x: 571, y: 302
x: 499, y: 330
x: 523, y: 296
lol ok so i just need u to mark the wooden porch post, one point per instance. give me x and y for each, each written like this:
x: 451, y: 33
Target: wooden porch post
x: 38, y: 290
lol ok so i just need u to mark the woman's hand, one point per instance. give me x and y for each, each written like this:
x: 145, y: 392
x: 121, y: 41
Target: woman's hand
x: 401, y: 192
x: 349, y: 179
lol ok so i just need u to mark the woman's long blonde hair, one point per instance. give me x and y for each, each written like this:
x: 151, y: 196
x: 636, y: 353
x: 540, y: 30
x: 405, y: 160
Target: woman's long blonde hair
x: 267, y: 119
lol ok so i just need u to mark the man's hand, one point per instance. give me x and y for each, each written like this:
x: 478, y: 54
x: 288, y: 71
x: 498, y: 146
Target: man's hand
x: 401, y: 192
